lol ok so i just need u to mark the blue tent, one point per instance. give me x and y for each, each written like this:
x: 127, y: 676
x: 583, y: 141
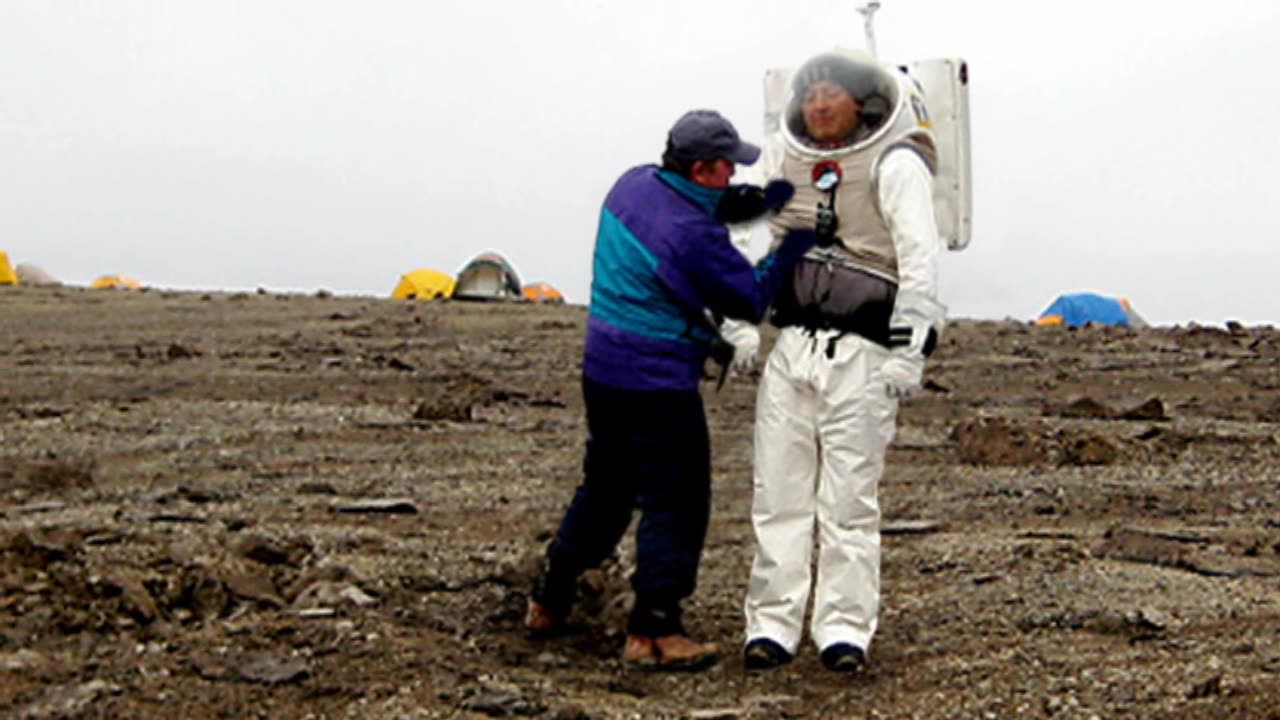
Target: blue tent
x: 1078, y: 309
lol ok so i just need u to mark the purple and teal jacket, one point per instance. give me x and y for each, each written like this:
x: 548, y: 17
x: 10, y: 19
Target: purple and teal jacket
x: 662, y: 259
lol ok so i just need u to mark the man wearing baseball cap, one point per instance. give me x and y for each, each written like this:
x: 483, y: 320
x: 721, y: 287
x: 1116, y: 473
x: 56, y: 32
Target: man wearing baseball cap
x: 663, y: 261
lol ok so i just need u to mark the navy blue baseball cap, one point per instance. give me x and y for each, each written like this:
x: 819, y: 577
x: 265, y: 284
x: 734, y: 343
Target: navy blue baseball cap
x: 705, y: 135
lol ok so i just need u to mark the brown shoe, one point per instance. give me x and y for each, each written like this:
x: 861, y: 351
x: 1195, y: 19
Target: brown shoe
x: 639, y: 653
x: 541, y: 621
x: 670, y: 652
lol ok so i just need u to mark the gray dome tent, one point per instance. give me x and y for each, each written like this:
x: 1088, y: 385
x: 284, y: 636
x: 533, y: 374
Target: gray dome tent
x: 488, y: 276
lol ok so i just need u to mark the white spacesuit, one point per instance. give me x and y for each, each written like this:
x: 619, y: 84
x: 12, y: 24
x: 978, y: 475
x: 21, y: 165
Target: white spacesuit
x: 861, y: 317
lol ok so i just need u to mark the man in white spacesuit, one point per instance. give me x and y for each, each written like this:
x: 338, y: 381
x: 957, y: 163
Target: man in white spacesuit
x: 861, y: 316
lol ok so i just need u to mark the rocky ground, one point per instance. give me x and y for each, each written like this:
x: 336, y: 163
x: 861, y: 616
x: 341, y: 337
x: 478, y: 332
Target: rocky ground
x: 289, y: 506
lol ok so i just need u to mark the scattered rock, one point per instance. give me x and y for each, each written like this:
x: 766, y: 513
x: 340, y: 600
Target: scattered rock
x: 911, y: 527
x: 1147, y: 620
x: 1175, y: 550
x: 195, y: 495
x: 1136, y: 545
x: 770, y: 707
x: 259, y: 668
x: 396, y: 363
x: 339, y: 574
x: 269, y: 670
x: 132, y: 594
x: 717, y: 714
x: 317, y: 613
x: 252, y: 587
x: 206, y: 595
x: 269, y: 551
x: 180, y: 352
x: 1084, y: 450
x: 445, y: 408
x: 1206, y: 688
x: 71, y: 701
x: 40, y: 550
x: 176, y: 518
x: 329, y: 594
x: 383, y: 506
x: 935, y: 387
x: 1084, y: 408
x: 551, y: 660
x: 1152, y: 409
x: 40, y: 507
x: 569, y: 712
x: 23, y: 660
x: 56, y: 475
x: 502, y: 703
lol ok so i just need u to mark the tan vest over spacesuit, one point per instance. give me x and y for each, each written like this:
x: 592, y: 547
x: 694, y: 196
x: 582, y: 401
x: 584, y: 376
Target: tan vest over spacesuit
x: 867, y: 244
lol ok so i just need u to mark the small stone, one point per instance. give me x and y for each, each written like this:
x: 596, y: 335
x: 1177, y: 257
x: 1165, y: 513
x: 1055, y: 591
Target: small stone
x: 1206, y: 688
x: 551, y: 660
x: 269, y: 670
x: 315, y: 613
x: 502, y: 704
x: 134, y: 598
x: 569, y: 712
x: 910, y: 527
x: 41, y: 507
x: 356, y: 596
x: 717, y: 714
x: 208, y: 596
x: 21, y: 660
x: 1148, y: 619
x: 257, y: 588
x: 325, y: 594
x: 383, y: 506
x: 270, y: 552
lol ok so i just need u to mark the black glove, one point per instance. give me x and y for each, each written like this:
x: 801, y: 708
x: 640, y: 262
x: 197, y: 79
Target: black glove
x: 826, y: 226
x: 744, y: 203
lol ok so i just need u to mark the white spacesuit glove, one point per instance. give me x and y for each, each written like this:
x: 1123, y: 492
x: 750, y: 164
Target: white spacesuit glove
x: 745, y: 339
x: 902, y: 374
x: 913, y: 332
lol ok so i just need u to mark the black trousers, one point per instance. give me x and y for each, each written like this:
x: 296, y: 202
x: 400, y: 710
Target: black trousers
x: 646, y: 450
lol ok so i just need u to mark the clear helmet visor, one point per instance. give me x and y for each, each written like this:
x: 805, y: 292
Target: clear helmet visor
x: 840, y: 101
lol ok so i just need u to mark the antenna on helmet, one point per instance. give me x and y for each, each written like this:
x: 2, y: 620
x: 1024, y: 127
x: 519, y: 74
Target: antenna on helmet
x: 868, y: 11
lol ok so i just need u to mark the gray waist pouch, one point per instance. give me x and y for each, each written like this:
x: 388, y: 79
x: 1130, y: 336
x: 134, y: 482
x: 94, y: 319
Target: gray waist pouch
x: 826, y: 295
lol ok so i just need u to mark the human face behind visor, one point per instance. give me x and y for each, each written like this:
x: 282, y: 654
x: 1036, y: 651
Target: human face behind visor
x: 831, y: 114
x: 839, y: 100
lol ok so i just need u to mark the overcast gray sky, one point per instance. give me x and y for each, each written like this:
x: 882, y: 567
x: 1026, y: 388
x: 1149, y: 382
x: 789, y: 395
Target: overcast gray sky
x: 1121, y: 146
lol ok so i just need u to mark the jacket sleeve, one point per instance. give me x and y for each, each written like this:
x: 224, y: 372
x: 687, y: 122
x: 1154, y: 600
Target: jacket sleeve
x: 725, y: 280
x: 767, y: 168
x: 717, y: 264
x: 905, y: 193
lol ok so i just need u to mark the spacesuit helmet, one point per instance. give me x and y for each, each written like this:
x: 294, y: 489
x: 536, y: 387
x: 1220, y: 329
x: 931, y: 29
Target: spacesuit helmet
x: 840, y: 100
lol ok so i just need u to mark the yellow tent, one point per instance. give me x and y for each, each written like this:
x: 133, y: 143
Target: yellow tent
x: 7, y: 275
x: 423, y: 284
x: 116, y: 282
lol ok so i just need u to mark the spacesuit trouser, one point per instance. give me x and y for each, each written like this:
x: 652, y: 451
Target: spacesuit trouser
x: 645, y: 449
x: 823, y: 424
